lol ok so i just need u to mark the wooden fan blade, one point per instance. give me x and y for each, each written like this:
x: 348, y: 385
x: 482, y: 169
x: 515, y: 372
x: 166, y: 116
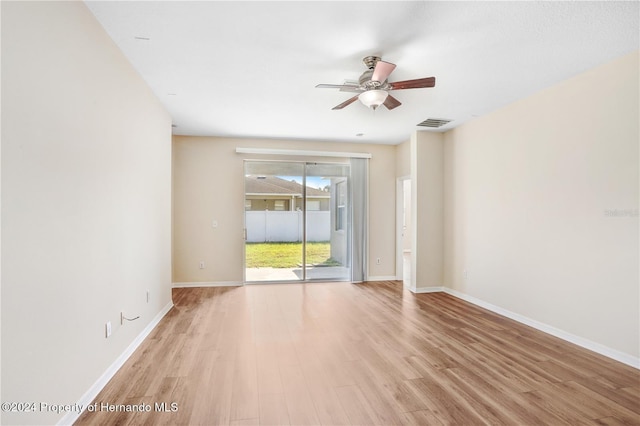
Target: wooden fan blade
x: 347, y: 102
x: 342, y: 87
x: 391, y: 102
x: 382, y: 71
x: 414, y: 84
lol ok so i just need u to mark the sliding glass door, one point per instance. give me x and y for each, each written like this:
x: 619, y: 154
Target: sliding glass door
x: 328, y: 227
x: 297, y: 221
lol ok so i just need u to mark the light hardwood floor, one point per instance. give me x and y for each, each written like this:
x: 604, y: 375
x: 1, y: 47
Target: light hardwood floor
x: 364, y: 354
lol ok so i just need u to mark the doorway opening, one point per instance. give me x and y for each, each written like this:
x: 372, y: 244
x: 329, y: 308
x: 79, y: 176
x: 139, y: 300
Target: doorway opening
x: 297, y: 221
x: 404, y: 231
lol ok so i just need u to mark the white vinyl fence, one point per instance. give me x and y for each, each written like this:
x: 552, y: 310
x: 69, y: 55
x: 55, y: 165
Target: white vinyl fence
x: 274, y: 226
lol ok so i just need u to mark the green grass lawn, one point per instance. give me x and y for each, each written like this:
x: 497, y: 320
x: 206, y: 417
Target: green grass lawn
x: 287, y: 255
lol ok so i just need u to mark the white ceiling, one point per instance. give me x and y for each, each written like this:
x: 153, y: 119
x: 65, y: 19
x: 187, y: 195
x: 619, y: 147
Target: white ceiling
x: 249, y: 69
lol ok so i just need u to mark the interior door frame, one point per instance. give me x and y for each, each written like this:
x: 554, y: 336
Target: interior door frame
x: 399, y: 225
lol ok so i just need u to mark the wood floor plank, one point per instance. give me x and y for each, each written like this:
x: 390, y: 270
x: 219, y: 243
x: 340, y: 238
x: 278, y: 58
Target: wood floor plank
x: 268, y: 373
x: 422, y: 417
x: 512, y: 406
x: 327, y: 404
x: 539, y: 402
x: 273, y: 409
x: 610, y: 421
x: 443, y: 403
x: 603, y: 387
x: 432, y: 358
x: 403, y: 397
x: 365, y: 354
x: 601, y: 403
x: 244, y: 398
x: 297, y: 396
x: 322, y: 380
x: 246, y: 422
x: 355, y: 405
x: 487, y: 368
x: 383, y: 405
x: 486, y: 406
x: 532, y: 375
x: 212, y: 403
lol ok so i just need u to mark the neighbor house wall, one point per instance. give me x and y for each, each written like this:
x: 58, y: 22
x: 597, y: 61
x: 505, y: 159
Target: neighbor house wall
x: 208, y: 185
x: 541, y: 207
x: 86, y: 199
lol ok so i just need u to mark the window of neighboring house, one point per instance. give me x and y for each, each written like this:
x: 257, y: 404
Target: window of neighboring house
x: 341, y: 205
x: 278, y: 205
x: 313, y: 205
x: 247, y: 204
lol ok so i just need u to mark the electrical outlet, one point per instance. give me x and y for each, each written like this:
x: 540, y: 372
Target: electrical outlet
x: 202, y: 264
x: 107, y: 329
x: 378, y: 261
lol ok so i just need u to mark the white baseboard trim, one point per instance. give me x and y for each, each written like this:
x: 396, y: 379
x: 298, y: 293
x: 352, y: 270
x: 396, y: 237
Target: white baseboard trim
x: 94, y: 390
x: 577, y: 340
x: 208, y: 284
x: 382, y: 278
x: 426, y: 289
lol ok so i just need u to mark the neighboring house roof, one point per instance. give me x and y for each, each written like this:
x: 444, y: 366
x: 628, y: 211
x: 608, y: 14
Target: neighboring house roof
x: 275, y: 185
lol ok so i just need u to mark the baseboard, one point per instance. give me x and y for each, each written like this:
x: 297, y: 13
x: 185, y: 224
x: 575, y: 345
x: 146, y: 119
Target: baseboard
x: 208, y: 284
x: 426, y: 289
x: 577, y: 340
x: 94, y: 390
x: 382, y: 278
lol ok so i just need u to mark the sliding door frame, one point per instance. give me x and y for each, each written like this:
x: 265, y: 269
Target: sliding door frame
x: 305, y: 164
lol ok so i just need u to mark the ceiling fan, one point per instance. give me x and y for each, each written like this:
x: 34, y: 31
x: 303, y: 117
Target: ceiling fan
x: 373, y: 88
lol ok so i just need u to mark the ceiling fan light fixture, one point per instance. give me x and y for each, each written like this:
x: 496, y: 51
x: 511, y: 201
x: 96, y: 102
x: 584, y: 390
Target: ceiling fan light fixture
x: 373, y: 98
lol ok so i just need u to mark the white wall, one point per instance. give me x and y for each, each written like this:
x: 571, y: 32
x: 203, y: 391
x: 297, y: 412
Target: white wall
x: 86, y: 199
x: 201, y: 163
x: 528, y: 191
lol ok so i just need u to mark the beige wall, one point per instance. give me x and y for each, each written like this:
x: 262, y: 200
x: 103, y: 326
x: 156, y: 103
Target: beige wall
x: 86, y: 198
x: 528, y: 189
x: 208, y: 185
x: 403, y: 159
x: 427, y: 184
x: 422, y: 159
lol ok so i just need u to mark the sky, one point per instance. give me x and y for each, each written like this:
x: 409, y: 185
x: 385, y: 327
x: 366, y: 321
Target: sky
x: 312, y: 181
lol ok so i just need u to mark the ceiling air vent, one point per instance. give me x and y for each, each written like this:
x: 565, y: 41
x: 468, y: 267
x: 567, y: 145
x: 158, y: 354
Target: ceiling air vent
x: 435, y: 122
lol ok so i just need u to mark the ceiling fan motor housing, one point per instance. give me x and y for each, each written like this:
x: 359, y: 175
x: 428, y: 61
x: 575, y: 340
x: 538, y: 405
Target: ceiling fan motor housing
x: 370, y: 61
x: 365, y: 79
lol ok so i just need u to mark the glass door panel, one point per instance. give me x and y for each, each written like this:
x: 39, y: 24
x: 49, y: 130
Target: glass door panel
x: 328, y: 230
x: 274, y: 221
